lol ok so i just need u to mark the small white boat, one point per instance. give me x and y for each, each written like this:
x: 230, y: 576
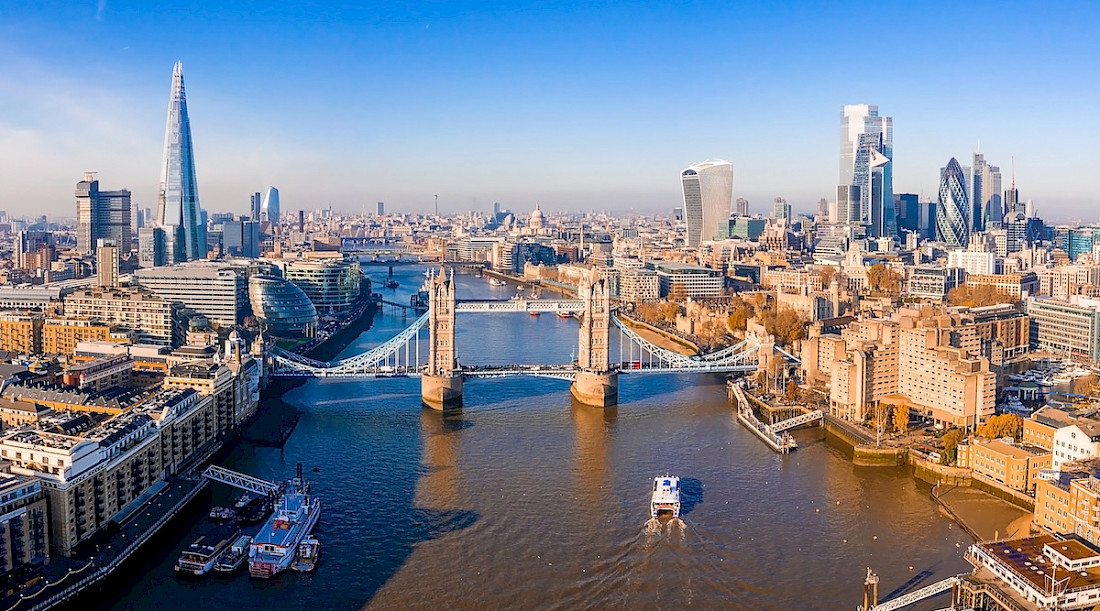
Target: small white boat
x: 496, y: 282
x: 309, y: 552
x: 666, y: 497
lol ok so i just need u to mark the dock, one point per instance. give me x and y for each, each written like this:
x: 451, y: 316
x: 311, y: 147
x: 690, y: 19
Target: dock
x: 774, y: 435
x: 777, y: 442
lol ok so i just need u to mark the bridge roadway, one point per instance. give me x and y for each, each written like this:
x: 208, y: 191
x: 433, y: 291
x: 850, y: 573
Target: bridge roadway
x: 519, y: 304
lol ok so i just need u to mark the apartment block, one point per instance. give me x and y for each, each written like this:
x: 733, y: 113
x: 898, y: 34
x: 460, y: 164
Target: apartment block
x: 21, y: 333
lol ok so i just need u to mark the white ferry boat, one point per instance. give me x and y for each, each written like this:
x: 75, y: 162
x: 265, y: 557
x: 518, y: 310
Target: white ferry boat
x: 275, y: 546
x: 666, y: 497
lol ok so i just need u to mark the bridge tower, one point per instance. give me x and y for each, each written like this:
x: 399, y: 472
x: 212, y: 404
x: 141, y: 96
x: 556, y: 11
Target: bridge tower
x: 596, y: 383
x: 441, y: 383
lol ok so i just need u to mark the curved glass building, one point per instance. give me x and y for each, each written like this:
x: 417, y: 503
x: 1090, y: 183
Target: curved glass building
x: 708, y: 192
x: 332, y: 286
x: 269, y: 209
x: 953, y: 207
x: 283, y: 307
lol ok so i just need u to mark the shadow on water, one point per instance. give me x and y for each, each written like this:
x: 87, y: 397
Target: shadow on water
x: 645, y: 386
x: 911, y: 584
x: 691, y: 494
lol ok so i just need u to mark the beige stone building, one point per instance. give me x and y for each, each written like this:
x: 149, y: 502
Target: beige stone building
x: 153, y: 318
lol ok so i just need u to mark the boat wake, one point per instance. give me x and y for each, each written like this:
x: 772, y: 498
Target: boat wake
x: 655, y: 527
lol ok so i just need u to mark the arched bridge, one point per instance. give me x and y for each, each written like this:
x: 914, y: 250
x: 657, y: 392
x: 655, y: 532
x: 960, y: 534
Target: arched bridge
x: 594, y: 376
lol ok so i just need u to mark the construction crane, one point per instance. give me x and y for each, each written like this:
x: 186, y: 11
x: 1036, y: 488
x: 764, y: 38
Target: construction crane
x: 255, y: 485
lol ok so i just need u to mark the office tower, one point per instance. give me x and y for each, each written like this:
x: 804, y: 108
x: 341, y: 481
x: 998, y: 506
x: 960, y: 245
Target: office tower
x: 863, y: 132
x: 986, y: 195
x: 781, y: 210
x: 107, y: 263
x: 678, y: 214
x: 742, y: 206
x: 1012, y: 201
x: 847, y: 204
x: 906, y: 205
x: 152, y: 247
x: 269, y: 210
x: 382, y: 209
x: 101, y: 214
x: 241, y: 238
x: 953, y: 206
x: 178, y: 197
x: 301, y: 221
x: 823, y: 208
x: 708, y: 191
x: 255, y: 203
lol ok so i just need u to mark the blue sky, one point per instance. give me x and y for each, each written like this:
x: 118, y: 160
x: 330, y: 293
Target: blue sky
x: 578, y: 105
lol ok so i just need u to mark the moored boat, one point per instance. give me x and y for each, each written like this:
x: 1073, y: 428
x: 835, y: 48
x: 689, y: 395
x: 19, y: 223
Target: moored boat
x: 309, y: 552
x: 666, y: 497
x: 535, y: 314
x: 497, y: 282
x: 222, y: 513
x: 200, y: 557
x: 295, y: 515
x: 565, y: 314
x: 234, y: 558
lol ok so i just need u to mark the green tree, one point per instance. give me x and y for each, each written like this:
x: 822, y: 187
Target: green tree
x: 951, y: 441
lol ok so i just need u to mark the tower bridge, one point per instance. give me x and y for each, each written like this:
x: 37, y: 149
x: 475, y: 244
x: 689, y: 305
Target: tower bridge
x: 594, y: 377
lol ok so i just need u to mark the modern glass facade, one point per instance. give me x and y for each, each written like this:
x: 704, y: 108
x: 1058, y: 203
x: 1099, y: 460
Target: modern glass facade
x: 953, y: 206
x: 178, y: 198
x: 708, y: 194
x: 282, y: 306
x: 269, y: 210
x: 332, y: 286
x: 866, y: 160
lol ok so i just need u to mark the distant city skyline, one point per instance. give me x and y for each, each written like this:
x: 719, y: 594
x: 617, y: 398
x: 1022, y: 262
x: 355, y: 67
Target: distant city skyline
x: 579, y: 107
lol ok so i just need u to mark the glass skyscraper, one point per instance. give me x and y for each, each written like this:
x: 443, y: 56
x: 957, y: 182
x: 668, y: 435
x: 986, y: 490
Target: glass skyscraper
x: 269, y: 210
x: 178, y: 198
x: 866, y: 161
x: 953, y: 206
x: 986, y: 195
x: 708, y: 193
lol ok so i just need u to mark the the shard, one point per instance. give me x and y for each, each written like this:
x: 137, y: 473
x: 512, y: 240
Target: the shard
x: 178, y: 198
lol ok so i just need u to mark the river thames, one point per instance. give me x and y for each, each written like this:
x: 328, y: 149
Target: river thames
x: 527, y: 500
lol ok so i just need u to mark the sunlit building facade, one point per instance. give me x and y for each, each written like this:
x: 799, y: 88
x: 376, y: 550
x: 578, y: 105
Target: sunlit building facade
x: 866, y: 156
x: 708, y: 193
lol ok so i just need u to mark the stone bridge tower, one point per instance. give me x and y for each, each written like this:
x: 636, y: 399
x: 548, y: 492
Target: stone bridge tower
x: 441, y: 383
x: 596, y: 382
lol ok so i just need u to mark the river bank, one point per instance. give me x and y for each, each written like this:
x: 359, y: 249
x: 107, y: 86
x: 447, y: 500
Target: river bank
x: 277, y: 417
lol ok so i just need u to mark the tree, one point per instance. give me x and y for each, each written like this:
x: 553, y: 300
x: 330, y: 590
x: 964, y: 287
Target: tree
x: 740, y: 313
x: 951, y: 441
x: 978, y: 295
x: 882, y: 280
x: 880, y: 420
x: 828, y: 274
x: 901, y: 418
x: 711, y: 332
x: 786, y: 325
x: 1004, y: 425
x: 792, y: 390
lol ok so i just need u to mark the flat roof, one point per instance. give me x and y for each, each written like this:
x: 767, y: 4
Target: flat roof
x: 1026, y: 558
